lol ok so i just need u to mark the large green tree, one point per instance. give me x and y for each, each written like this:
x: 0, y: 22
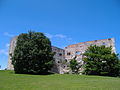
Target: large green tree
x: 32, y: 54
x: 101, y: 60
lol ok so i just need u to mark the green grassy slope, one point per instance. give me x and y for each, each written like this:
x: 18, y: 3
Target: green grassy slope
x: 11, y: 81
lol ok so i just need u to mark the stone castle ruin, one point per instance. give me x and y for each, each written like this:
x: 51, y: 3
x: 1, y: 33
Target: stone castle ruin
x: 63, y: 56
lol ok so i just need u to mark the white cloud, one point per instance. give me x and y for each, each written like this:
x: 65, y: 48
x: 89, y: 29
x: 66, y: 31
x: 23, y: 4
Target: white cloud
x: 7, y: 45
x: 4, y: 52
x: 8, y: 34
x: 49, y: 35
x: 69, y: 39
x: 60, y: 36
x: 56, y: 35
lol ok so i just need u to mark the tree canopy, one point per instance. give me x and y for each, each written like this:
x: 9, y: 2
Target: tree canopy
x: 32, y: 54
x: 74, y: 65
x: 101, y: 60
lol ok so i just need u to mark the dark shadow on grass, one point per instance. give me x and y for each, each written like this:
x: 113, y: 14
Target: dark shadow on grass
x: 45, y: 73
x: 103, y: 75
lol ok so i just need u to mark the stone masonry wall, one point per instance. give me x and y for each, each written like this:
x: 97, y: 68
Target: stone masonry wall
x: 59, y: 57
x: 11, y: 51
x: 78, y: 49
x: 65, y: 55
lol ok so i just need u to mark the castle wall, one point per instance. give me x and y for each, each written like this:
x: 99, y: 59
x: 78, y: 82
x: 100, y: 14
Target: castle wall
x: 78, y: 49
x: 63, y: 56
x: 59, y: 57
x: 11, y: 51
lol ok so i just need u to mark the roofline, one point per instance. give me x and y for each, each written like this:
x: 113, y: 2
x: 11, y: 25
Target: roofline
x: 89, y: 41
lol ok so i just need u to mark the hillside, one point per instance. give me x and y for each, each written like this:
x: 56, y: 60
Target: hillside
x: 11, y: 81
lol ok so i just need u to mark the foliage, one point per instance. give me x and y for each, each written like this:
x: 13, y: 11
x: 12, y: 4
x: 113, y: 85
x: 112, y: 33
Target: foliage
x: 74, y: 65
x: 100, y: 60
x: 32, y: 54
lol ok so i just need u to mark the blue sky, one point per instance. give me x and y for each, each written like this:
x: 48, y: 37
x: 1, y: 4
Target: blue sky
x: 63, y: 21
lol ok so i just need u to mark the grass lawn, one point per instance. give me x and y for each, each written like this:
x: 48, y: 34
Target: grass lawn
x: 11, y: 81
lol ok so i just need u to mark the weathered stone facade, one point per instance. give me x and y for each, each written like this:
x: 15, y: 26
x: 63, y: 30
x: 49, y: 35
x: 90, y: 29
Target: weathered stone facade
x: 63, y: 56
x: 78, y: 49
x: 59, y: 57
x: 11, y: 51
